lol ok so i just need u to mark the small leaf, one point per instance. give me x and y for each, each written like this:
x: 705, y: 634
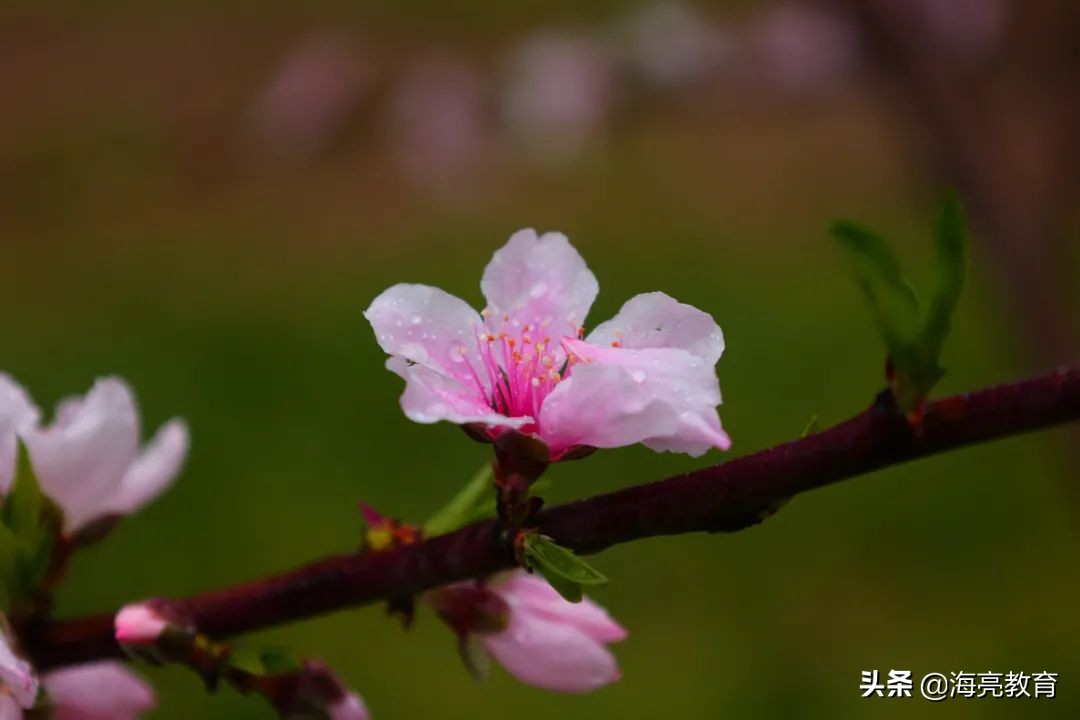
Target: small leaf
x: 950, y: 256
x: 279, y: 660
x: 246, y: 660
x: 473, y: 502
x: 475, y: 657
x: 913, y: 336
x: 30, y: 525
x: 895, y: 305
x: 565, y: 571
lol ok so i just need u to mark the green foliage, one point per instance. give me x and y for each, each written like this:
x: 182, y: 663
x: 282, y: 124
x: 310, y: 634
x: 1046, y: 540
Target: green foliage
x: 913, y: 335
x: 473, y: 502
x: 564, y: 570
x: 29, y: 526
x: 266, y: 662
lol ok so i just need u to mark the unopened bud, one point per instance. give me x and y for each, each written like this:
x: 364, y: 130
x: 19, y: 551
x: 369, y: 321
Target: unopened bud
x: 139, y: 624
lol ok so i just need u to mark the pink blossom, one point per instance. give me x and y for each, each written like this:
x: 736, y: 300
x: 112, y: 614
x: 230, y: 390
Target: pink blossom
x: 540, y: 638
x: 97, y: 691
x: 312, y: 96
x: 559, y: 94
x: 17, y: 415
x: 350, y: 707
x: 88, y: 461
x: 647, y: 375
x: 138, y: 624
x: 18, y: 682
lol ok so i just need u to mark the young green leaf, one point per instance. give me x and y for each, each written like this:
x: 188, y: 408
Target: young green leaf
x: 950, y: 256
x: 564, y: 570
x: 29, y: 525
x: 891, y: 297
x: 913, y: 336
x: 475, y: 500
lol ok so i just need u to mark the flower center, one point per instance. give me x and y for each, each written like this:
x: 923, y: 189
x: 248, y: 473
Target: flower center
x: 520, y: 364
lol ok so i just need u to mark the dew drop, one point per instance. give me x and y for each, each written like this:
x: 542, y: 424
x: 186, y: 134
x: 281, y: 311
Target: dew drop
x: 638, y: 376
x: 415, y: 319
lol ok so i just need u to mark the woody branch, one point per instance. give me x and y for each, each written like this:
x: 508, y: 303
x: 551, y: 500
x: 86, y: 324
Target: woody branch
x: 721, y: 498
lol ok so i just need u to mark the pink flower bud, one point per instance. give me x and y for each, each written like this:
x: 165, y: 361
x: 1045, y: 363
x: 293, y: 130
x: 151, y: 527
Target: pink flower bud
x: 138, y: 624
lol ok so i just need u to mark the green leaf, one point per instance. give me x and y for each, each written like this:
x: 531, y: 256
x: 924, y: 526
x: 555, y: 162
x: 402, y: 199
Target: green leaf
x: 895, y: 305
x: 279, y: 660
x: 950, y: 258
x: 913, y: 336
x: 474, y: 501
x: 30, y: 525
x: 564, y: 570
x: 246, y: 660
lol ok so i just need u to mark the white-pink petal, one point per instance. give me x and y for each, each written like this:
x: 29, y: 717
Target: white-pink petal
x: 350, y: 707
x: 82, y: 458
x: 551, y: 654
x: 17, y: 676
x: 427, y: 326
x: 97, y: 691
x: 665, y: 398
x: 154, y: 470
x: 537, y: 595
x: 657, y: 320
x: 431, y: 396
x: 17, y: 414
x: 540, y: 280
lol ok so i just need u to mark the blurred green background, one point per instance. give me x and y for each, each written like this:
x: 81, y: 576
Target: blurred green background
x: 144, y: 236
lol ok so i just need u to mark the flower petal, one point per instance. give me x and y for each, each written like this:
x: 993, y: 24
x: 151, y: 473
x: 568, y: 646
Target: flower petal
x: 17, y: 676
x: 430, y: 327
x: 154, y: 470
x: 350, y: 707
x: 657, y: 320
x: 98, y: 691
x: 431, y: 396
x: 551, y: 655
x: 541, y: 280
x: 82, y: 459
x: 520, y: 588
x: 9, y: 709
x: 665, y: 398
x: 17, y: 414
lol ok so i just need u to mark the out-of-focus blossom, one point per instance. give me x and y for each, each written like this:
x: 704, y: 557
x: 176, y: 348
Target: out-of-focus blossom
x: 350, y: 707
x: 440, y: 123
x: 647, y: 375
x: 89, y: 461
x: 558, y: 96
x: 311, y: 97
x: 97, y: 691
x: 800, y: 48
x: 671, y: 46
x: 138, y: 624
x: 18, y: 682
x: 18, y: 414
x: 539, y: 637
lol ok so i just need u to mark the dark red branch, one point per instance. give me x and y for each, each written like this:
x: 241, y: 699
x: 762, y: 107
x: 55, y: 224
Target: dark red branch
x: 720, y: 498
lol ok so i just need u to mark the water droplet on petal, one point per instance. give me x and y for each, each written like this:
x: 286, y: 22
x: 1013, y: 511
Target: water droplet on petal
x: 639, y: 376
x: 538, y: 290
x: 415, y: 319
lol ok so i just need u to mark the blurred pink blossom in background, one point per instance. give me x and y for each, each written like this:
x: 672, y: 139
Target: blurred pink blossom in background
x: 558, y: 94
x: 310, y: 99
x: 671, y: 45
x: 440, y: 122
